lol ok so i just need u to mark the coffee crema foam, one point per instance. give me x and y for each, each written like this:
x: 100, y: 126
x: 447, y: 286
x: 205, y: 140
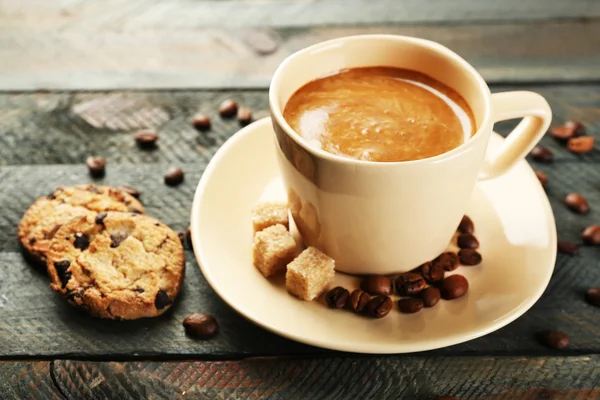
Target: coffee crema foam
x: 380, y: 114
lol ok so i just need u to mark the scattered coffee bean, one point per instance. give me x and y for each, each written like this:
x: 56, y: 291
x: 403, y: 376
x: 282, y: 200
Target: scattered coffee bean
x: 188, y: 235
x: 81, y: 241
x: 542, y: 177
x: 146, y: 139
x: 581, y: 145
x: 96, y: 165
x: 228, y: 108
x: 448, y: 260
x: 410, y: 305
x: 577, y: 203
x: 244, y: 115
x: 201, y: 122
x: 430, y: 296
x: 467, y: 241
x: 378, y: 307
x: 432, y: 272
x: 173, y: 176
x: 410, y: 284
x: 131, y: 191
x: 376, y: 284
x: 454, y: 286
x: 162, y: 300
x: 469, y: 257
x: 592, y: 296
x: 555, y: 340
x: 358, y: 300
x: 568, y: 248
x: 542, y: 154
x: 100, y: 218
x: 201, y: 326
x: 591, y: 235
x: 337, y: 297
x: 466, y: 225
x: 566, y: 131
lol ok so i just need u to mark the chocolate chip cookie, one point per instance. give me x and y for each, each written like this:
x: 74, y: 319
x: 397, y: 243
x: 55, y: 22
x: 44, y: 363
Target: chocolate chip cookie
x: 117, y: 265
x: 41, y: 221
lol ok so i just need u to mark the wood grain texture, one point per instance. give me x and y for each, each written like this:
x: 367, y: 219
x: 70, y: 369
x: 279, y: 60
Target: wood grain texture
x: 87, y: 57
x: 27, y: 380
x: 337, y: 378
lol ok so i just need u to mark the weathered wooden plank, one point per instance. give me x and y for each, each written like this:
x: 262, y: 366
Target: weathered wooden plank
x: 337, y: 378
x: 61, y: 57
x: 27, y: 380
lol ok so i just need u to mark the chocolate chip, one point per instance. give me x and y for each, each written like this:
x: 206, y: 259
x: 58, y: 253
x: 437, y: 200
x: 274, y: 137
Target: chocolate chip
x: 592, y: 296
x: 376, y: 284
x: 430, y: 296
x: 173, y: 176
x: 409, y: 284
x: 454, y: 286
x: 100, y: 218
x: 581, y: 145
x: 542, y: 177
x: 591, y: 235
x: 130, y: 190
x: 74, y: 294
x: 96, y: 165
x: 117, y: 238
x: 61, y: 268
x: 469, y: 257
x: 467, y: 241
x: 432, y: 272
x: 146, y: 139
x: 32, y: 240
x: 448, y: 260
x: 93, y: 189
x: 568, y: 248
x: 577, y: 203
x: 51, y: 196
x: 162, y: 300
x: 244, y: 115
x: 410, y: 305
x: 228, y: 108
x: 378, y: 307
x: 138, y: 290
x: 82, y: 241
x: 555, y: 340
x: 337, y: 297
x: 357, y: 300
x: 201, y: 326
x: 542, y: 154
x: 201, y: 122
x: 466, y: 225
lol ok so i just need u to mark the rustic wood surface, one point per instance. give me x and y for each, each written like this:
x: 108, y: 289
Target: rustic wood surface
x: 27, y: 380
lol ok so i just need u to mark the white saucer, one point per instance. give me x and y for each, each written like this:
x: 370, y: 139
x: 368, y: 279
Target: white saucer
x: 513, y: 221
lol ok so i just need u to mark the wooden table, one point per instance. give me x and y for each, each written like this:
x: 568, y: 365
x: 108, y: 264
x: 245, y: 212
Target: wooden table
x: 80, y: 78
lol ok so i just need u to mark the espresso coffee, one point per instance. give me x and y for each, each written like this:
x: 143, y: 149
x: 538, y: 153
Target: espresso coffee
x: 380, y: 114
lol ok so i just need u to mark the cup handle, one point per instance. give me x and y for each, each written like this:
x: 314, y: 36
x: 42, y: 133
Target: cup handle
x: 536, y: 114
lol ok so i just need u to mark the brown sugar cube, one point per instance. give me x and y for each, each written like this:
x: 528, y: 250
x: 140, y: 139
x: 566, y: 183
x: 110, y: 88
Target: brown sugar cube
x: 274, y: 247
x: 268, y: 214
x: 309, y: 274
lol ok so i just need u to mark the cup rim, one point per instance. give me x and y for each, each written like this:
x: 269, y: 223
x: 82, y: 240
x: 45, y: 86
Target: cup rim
x: 277, y: 114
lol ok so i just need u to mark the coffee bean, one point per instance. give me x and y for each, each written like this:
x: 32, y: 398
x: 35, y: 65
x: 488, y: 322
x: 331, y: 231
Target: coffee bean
x: 131, y: 191
x: 454, y: 286
x: 410, y: 305
x: 555, y: 340
x: 61, y: 268
x: 430, y: 296
x: 409, y: 284
x: 81, y: 241
x: 578, y: 126
x: 592, y: 296
x: 432, y: 272
x: 466, y: 225
x: 96, y: 165
x: 146, y: 139
x: 337, y: 297
x: 201, y: 122
x: 542, y: 154
x: 100, y: 218
x: 568, y: 248
x: 173, y: 176
x: 448, y: 260
x: 467, y: 241
x: 201, y: 326
x: 591, y: 235
x: 357, y: 300
x: 244, y: 115
x: 378, y: 307
x: 542, y: 177
x: 162, y: 300
x: 577, y: 203
x: 376, y: 284
x: 469, y: 257
x: 581, y: 145
x: 563, y: 132
x: 228, y: 108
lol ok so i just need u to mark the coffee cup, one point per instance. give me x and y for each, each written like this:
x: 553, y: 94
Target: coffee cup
x: 390, y: 217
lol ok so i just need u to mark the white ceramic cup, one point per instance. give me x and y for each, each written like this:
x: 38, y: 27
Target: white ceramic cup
x: 390, y: 217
